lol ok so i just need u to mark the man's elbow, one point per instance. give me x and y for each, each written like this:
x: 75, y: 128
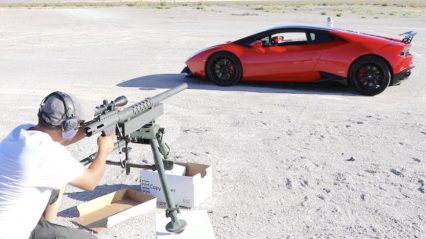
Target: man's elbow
x: 86, y: 183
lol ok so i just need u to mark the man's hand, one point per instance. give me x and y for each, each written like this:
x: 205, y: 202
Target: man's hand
x: 106, y: 143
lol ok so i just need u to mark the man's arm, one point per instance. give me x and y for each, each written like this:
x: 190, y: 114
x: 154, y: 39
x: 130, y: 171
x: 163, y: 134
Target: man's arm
x: 91, y: 176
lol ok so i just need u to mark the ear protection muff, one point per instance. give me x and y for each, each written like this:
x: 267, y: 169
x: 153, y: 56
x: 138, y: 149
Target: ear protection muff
x: 70, y: 121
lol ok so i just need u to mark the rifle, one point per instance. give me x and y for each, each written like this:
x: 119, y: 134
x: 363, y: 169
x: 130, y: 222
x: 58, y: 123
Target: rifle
x: 136, y: 124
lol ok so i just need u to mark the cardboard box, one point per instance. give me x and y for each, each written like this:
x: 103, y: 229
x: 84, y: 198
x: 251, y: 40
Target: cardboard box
x: 187, y: 191
x: 113, y: 208
x: 198, y: 226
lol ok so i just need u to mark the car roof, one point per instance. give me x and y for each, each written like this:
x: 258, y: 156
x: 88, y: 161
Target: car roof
x: 299, y: 27
x: 282, y: 28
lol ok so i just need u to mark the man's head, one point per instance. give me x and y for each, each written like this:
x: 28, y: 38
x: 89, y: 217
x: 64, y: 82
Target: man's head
x: 63, y: 112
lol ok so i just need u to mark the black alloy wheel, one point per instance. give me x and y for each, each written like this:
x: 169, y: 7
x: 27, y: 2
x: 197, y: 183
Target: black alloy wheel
x: 224, y: 69
x: 370, y: 75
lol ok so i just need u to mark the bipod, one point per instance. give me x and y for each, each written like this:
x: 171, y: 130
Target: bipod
x: 154, y: 134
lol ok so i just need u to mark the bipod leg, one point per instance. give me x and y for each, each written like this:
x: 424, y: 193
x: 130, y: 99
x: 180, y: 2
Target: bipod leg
x: 176, y: 225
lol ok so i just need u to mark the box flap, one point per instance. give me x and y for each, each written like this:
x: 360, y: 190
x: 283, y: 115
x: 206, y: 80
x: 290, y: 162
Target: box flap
x: 113, y: 208
x: 136, y: 210
x: 193, y: 169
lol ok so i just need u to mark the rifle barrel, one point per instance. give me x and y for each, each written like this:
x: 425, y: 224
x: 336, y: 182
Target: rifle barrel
x: 146, y: 104
x: 160, y: 97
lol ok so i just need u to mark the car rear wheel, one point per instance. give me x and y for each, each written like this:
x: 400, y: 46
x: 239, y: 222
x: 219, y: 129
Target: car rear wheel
x: 370, y: 75
x: 224, y: 69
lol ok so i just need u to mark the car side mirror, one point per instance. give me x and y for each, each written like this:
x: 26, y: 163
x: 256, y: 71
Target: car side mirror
x: 257, y: 44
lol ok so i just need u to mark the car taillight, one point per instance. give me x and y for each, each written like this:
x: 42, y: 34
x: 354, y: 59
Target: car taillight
x: 405, y: 52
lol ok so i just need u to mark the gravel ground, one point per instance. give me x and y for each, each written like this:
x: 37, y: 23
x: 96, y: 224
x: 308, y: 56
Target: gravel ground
x: 289, y: 161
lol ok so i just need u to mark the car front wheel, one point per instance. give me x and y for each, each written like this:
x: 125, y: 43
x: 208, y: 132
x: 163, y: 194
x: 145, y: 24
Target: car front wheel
x: 370, y: 75
x: 224, y: 69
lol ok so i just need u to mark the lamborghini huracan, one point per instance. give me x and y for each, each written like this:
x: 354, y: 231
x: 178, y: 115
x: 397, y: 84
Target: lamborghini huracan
x: 366, y: 62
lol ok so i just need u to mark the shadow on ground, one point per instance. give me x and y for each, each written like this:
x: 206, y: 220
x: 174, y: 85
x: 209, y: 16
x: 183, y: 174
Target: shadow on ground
x: 168, y: 81
x: 89, y: 195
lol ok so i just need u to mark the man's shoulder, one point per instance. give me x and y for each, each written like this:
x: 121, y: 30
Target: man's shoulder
x: 18, y: 130
x: 15, y: 134
x: 24, y: 137
x: 22, y: 127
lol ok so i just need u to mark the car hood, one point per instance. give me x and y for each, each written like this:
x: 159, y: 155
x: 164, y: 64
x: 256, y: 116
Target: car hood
x: 210, y: 48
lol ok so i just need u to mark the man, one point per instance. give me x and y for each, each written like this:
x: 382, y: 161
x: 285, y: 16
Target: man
x: 34, y: 166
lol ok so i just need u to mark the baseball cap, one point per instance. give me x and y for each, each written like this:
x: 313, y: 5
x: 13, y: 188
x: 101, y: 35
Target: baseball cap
x: 52, y: 109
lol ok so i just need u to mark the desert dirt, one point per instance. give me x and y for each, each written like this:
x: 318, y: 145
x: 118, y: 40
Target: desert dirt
x: 289, y: 161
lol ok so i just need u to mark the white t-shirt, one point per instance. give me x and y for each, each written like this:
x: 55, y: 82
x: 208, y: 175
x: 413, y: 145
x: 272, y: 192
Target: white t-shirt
x: 31, y: 166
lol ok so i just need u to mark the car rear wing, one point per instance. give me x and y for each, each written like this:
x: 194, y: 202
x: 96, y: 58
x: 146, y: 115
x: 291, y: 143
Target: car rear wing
x: 408, y: 36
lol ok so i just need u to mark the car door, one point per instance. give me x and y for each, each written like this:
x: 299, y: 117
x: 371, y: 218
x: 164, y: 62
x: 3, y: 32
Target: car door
x: 333, y: 53
x: 283, y: 56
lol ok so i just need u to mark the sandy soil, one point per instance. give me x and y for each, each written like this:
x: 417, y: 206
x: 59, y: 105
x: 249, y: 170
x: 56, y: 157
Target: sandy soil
x: 290, y: 161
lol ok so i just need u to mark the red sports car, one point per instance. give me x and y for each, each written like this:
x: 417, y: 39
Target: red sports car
x: 368, y: 63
